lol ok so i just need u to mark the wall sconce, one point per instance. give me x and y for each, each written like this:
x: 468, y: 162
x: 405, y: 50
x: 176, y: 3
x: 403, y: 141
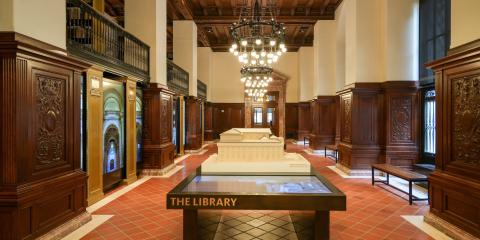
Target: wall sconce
x: 95, y: 86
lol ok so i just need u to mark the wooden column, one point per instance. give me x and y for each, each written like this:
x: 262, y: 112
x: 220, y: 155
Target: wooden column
x: 41, y: 183
x: 361, y: 126
x: 208, y: 123
x: 193, y: 123
x: 94, y: 135
x: 131, y: 133
x: 323, y: 125
x: 402, y: 121
x: 291, y: 120
x: 455, y: 184
x: 158, y: 150
x: 182, y: 124
x: 304, y: 120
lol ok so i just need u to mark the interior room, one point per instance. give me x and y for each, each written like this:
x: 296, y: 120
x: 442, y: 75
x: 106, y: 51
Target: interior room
x: 239, y: 119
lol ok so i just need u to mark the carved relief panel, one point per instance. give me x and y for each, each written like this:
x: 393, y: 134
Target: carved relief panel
x: 346, y: 118
x: 401, y: 118
x: 466, y: 120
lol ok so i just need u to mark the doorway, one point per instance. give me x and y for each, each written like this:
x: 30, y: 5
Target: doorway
x: 265, y: 112
x: 113, y: 133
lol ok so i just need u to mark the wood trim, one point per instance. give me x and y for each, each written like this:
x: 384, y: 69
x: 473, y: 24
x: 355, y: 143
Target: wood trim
x: 193, y: 124
x: 226, y: 116
x: 131, y: 132
x: 323, y: 120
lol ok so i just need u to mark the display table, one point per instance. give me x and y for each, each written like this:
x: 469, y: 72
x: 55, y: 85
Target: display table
x: 256, y: 192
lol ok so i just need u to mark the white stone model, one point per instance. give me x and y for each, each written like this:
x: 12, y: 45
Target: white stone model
x: 253, y: 150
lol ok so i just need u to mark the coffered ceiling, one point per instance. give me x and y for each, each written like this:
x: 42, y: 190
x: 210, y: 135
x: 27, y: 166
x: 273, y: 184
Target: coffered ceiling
x: 213, y: 17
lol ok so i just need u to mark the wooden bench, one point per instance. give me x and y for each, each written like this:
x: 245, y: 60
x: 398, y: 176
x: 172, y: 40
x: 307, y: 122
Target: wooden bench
x: 304, y: 140
x: 407, y: 175
x: 334, y: 148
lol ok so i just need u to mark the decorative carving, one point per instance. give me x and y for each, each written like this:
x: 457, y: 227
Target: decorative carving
x: 347, y: 116
x: 401, y: 114
x: 50, y: 115
x: 466, y: 119
x: 164, y: 118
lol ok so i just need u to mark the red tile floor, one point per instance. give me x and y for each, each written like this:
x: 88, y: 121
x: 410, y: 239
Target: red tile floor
x: 372, y: 212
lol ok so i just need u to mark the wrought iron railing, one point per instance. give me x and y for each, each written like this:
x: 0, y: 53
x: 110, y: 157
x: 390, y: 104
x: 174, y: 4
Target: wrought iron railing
x: 201, y: 89
x: 92, y: 36
x: 177, y: 78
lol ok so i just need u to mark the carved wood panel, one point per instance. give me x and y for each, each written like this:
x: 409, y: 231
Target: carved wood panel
x: 346, y: 118
x: 466, y: 120
x: 401, y: 118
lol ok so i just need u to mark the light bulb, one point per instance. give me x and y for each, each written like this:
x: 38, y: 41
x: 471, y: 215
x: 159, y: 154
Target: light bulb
x: 235, y: 53
x: 258, y: 41
x: 282, y: 45
x: 258, y: 77
x: 250, y: 78
x: 262, y: 62
x: 284, y: 49
x: 279, y: 53
x: 269, y: 61
x: 270, y: 55
x: 240, y: 58
x: 234, y: 46
x: 231, y: 50
x: 254, y: 62
x: 263, y: 53
x: 272, y: 43
x: 244, y: 43
x: 242, y: 79
x: 244, y: 55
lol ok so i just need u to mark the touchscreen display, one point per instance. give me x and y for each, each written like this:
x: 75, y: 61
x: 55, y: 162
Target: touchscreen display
x: 256, y: 184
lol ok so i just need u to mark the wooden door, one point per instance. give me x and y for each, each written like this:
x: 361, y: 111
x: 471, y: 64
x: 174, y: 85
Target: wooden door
x: 265, y: 113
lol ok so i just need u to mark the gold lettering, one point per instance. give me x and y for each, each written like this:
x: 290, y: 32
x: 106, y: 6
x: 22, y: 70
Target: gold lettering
x: 212, y: 202
x: 187, y: 201
x: 180, y: 201
x: 234, y: 200
x: 219, y: 202
x: 205, y: 201
x: 227, y: 202
x: 195, y: 202
x: 172, y: 200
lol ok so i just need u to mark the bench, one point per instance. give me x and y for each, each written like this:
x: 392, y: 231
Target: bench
x: 304, y: 140
x: 411, y: 177
x: 334, y: 148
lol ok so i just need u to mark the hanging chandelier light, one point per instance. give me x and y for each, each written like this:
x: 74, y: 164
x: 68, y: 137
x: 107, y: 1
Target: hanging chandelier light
x: 258, y: 39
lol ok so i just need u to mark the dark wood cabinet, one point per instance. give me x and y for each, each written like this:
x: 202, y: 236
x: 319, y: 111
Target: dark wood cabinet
x: 304, y: 120
x: 41, y: 183
x: 208, y: 122
x: 291, y: 120
x: 226, y: 116
x: 323, y: 116
x: 193, y: 123
x: 455, y: 184
x: 158, y: 151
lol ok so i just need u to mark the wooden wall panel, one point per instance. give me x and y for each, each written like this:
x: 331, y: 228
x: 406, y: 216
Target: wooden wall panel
x: 402, y: 122
x: 323, y: 125
x: 95, y: 135
x: 41, y: 184
x: 208, y: 122
x: 361, y: 126
x: 455, y: 184
x: 227, y: 116
x: 291, y: 120
x: 131, y: 131
x: 193, y: 124
x: 304, y: 120
x: 158, y: 150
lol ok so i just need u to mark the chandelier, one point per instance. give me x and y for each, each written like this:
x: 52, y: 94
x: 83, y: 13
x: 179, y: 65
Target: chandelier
x: 258, y: 41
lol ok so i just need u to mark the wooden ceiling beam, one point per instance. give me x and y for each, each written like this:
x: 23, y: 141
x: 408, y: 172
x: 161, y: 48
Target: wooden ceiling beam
x: 227, y: 20
x: 309, y: 7
x: 183, y: 8
x: 325, y: 4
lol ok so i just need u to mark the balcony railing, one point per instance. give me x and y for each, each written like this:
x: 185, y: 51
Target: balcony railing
x: 92, y: 36
x: 177, y: 78
x: 201, y: 89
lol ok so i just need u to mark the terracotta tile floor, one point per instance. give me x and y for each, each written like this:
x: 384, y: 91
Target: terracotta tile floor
x: 372, y: 212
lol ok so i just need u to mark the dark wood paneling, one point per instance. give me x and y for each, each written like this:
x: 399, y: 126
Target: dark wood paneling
x: 227, y: 116
x: 402, y: 122
x: 455, y: 185
x: 193, y: 123
x: 158, y: 150
x: 323, y: 114
x: 291, y: 120
x: 41, y: 184
x: 361, y: 125
x: 208, y: 122
x: 304, y: 120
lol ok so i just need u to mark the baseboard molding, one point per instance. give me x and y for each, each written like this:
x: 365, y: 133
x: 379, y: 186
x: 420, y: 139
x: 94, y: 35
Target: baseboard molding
x: 447, y: 228
x: 67, y: 228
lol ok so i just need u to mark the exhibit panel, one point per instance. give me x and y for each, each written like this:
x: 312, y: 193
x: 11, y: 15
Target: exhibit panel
x: 310, y: 191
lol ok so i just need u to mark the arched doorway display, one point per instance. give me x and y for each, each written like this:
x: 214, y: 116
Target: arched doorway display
x: 269, y: 113
x: 113, y: 133
x: 176, y: 123
x: 139, y: 125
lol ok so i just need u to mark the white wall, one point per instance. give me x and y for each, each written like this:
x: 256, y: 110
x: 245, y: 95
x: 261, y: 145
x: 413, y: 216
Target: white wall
x: 148, y: 22
x: 324, y: 50
x: 185, y: 50
x: 305, y: 74
x: 204, y: 69
x: 225, y: 85
x: 465, y: 22
x: 43, y: 20
x: 340, y: 18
